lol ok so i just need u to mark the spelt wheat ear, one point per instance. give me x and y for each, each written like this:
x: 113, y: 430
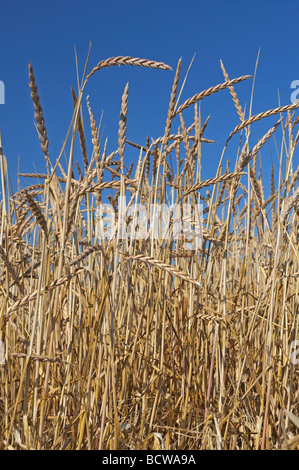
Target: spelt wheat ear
x: 9, y: 265
x: 128, y: 60
x: 72, y: 213
x: 165, y: 267
x: 218, y: 179
x: 171, y: 113
x: 210, y: 91
x: 258, y: 117
x: 36, y: 210
x: 123, y: 125
x: 295, y: 177
x: 233, y: 94
x: 81, y: 132
x: 94, y: 132
x: 148, y: 159
x: 246, y: 157
x: 40, y: 120
x: 86, y: 252
x: 256, y: 185
x: 31, y: 296
x: 289, y: 204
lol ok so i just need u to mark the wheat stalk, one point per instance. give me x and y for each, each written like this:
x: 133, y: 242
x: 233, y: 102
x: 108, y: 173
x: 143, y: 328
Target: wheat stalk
x: 123, y: 124
x: 246, y: 157
x: 203, y: 94
x: 9, y: 265
x: 128, y: 60
x: 102, y: 344
x: 38, y: 114
x: 81, y: 132
x: 233, y: 94
x: 258, y: 117
x: 210, y: 181
x: 171, y: 107
x: 32, y: 296
x: 94, y: 132
x: 165, y: 267
x: 289, y: 204
x: 36, y: 210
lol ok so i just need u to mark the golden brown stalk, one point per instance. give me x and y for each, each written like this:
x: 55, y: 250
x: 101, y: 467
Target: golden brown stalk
x: 81, y: 132
x: 155, y: 160
x: 258, y: 117
x: 254, y: 164
x: 87, y: 188
x: 210, y: 181
x: 38, y: 187
x: 72, y: 213
x: 9, y: 265
x: 127, y: 60
x: 123, y: 125
x: 272, y: 190
x: 86, y: 252
x: 117, y: 344
x: 186, y: 145
x: 256, y: 186
x: 130, y: 170
x: 36, y: 210
x: 94, y: 132
x: 295, y: 177
x: 233, y: 94
x: 223, y: 186
x: 204, y: 127
x: 289, y: 204
x: 39, y: 176
x: 114, y: 200
x: 148, y: 160
x: 165, y: 267
x: 210, y: 91
x: 296, y: 121
x: 171, y: 107
x: 32, y: 295
x: 147, y: 142
x: 40, y: 121
x: 39, y: 358
x: 160, y: 140
x: 296, y: 140
x: 79, y: 171
x: 141, y: 147
x: 245, y: 157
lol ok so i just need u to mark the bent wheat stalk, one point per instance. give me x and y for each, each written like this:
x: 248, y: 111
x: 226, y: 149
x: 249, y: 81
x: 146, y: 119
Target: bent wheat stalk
x: 127, y: 60
x: 214, y: 89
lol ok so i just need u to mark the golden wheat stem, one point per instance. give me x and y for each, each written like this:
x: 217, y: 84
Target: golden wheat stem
x: 203, y: 94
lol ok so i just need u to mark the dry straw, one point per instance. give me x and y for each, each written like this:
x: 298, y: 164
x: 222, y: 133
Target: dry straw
x: 146, y: 343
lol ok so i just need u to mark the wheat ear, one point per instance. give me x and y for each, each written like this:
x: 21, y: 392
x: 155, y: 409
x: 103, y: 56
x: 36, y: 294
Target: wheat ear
x: 258, y: 117
x: 210, y: 91
x: 40, y: 120
x: 128, y: 60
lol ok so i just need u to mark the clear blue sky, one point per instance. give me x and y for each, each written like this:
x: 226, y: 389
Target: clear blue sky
x: 45, y: 32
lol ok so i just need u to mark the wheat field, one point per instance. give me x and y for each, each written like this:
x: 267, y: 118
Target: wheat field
x: 145, y: 342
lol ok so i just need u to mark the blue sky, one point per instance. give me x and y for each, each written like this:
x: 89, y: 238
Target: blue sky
x: 46, y: 32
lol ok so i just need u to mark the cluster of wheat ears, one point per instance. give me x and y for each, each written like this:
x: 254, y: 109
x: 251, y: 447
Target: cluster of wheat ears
x: 147, y: 344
